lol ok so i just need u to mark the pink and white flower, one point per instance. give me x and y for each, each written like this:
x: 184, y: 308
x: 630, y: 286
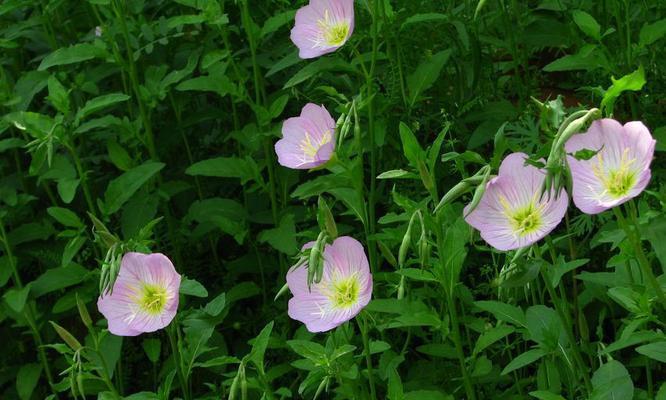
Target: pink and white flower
x: 344, y: 290
x: 512, y: 213
x: 618, y: 172
x: 307, y: 141
x: 144, y: 297
x: 322, y: 27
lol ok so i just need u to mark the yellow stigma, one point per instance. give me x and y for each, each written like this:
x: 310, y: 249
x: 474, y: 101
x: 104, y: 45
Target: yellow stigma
x: 619, y: 181
x: 311, y: 148
x: 526, y: 219
x: 153, y: 298
x: 334, y: 33
x: 344, y: 292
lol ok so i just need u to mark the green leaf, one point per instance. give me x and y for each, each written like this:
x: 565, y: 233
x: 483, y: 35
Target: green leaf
x: 152, y: 347
x: 426, y: 17
x: 16, y: 298
x: 588, y: 58
x: 99, y: 103
x: 427, y: 395
x: 11, y: 143
x: 544, y: 395
x: 612, y: 381
x: 225, y: 214
x: 259, y: 345
x: 65, y: 217
x: 191, y: 287
x: 544, y: 326
x: 491, y: 336
x: 587, y: 24
x: 123, y: 188
x: 225, y: 167
x: 524, y: 359
x: 27, y: 379
x: 633, y: 81
x: 656, y: 351
x: 650, y: 33
x: 410, y: 145
x: 395, y: 389
x: 503, y: 312
x: 71, y: 55
x: 310, y: 350
x: 119, y: 156
x: 67, y: 189
x: 58, y: 96
x: 58, y: 278
x: 275, y: 22
x: 316, y: 67
x: 215, y: 306
x: 426, y: 74
x: 282, y: 238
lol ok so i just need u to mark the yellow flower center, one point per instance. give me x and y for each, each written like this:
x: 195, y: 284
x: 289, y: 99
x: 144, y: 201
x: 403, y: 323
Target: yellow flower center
x: 526, y: 219
x: 345, y: 292
x: 334, y: 32
x: 310, y: 147
x: 619, y: 181
x: 153, y: 298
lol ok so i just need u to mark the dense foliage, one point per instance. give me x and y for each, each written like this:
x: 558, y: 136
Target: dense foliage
x: 150, y: 126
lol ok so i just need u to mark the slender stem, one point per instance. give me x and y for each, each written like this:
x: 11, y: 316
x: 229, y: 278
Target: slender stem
x: 566, y: 321
x: 145, y: 117
x: 28, y: 311
x: 363, y: 327
x: 643, y: 262
x: 84, y: 178
x: 448, y: 284
x: 177, y: 360
x: 372, y: 248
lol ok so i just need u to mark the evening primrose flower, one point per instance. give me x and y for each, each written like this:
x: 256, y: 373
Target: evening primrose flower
x: 322, y: 27
x: 144, y: 297
x: 619, y: 171
x: 345, y: 287
x: 307, y: 141
x: 512, y: 213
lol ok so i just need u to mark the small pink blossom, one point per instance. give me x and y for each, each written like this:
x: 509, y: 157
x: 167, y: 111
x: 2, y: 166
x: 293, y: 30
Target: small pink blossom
x: 307, y: 141
x: 144, y: 297
x: 322, y: 27
x: 618, y: 172
x: 344, y: 290
x: 512, y: 213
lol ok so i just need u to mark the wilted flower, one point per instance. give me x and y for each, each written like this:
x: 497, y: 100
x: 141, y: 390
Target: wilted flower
x: 322, y: 27
x: 512, y: 213
x: 144, y: 297
x: 307, y: 141
x: 345, y: 287
x: 619, y: 171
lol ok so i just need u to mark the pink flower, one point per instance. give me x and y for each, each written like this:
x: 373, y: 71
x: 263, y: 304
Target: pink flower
x: 322, y: 27
x: 144, y: 297
x: 345, y: 287
x: 307, y: 141
x: 619, y: 171
x: 512, y: 213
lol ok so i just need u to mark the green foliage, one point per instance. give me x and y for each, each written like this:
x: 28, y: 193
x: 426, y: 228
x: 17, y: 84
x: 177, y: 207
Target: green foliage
x: 150, y: 126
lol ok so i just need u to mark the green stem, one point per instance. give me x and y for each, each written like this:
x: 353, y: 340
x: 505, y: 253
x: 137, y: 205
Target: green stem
x: 566, y: 321
x: 643, y: 262
x: 372, y: 248
x: 449, y: 283
x: 363, y: 326
x: 145, y: 117
x: 84, y: 178
x: 177, y: 360
x: 28, y: 311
